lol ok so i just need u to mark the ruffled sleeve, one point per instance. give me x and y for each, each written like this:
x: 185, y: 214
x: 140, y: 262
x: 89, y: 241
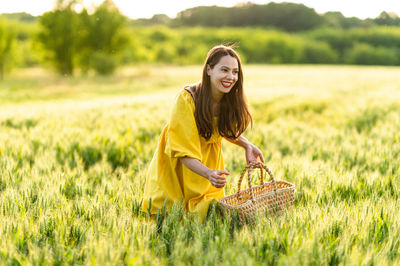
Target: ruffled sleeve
x: 182, y: 138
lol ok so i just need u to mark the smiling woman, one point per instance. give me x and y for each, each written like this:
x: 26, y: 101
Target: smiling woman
x: 225, y: 73
x: 188, y: 165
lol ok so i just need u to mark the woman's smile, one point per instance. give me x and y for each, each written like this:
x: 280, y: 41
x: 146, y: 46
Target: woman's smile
x: 226, y: 84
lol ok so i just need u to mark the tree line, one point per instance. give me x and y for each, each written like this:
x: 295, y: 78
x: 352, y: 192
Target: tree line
x: 371, y: 46
x: 285, y: 16
x: 101, y: 39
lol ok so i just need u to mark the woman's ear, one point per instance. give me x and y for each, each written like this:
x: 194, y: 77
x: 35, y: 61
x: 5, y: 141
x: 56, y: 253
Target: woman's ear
x: 208, y: 69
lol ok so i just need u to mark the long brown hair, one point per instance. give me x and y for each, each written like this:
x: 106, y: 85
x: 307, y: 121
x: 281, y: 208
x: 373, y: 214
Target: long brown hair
x: 234, y: 116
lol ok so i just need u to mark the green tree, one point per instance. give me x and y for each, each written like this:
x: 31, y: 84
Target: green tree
x: 157, y: 19
x: 20, y: 16
x: 7, y: 38
x: 337, y: 20
x: 291, y: 17
x: 388, y: 19
x: 287, y: 16
x: 104, y: 38
x: 59, y: 36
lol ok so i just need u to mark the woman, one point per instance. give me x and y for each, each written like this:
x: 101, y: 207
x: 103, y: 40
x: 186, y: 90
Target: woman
x: 188, y: 163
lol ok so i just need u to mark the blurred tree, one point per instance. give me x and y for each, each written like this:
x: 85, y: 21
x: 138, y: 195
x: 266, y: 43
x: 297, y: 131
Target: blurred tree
x: 337, y: 20
x: 333, y: 19
x: 287, y: 16
x: 388, y: 19
x: 103, y: 38
x: 291, y: 17
x: 157, y: 19
x: 59, y: 36
x: 21, y: 16
x: 214, y: 16
x: 7, y: 38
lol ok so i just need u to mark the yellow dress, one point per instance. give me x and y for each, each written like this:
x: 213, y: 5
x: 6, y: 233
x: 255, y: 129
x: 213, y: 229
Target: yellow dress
x: 167, y: 178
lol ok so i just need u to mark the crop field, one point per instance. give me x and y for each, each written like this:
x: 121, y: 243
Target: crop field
x: 74, y: 153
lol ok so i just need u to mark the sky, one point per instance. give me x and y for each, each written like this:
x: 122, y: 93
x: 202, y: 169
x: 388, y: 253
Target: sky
x: 147, y: 8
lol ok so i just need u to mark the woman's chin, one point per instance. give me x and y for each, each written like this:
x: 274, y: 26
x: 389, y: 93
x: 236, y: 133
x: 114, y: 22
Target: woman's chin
x: 225, y: 90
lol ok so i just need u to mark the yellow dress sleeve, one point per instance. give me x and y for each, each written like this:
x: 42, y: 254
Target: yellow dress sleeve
x: 182, y: 138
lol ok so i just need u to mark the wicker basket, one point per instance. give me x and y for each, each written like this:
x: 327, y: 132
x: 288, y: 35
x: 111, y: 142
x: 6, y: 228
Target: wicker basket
x: 271, y: 197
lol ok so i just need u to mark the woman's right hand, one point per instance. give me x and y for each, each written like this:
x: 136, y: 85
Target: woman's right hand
x: 216, y: 179
x: 214, y: 176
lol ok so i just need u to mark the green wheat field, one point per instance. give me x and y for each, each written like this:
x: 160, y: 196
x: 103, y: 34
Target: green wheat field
x: 74, y: 152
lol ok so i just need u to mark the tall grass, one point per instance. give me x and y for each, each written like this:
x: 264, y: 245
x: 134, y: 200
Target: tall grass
x: 73, y: 162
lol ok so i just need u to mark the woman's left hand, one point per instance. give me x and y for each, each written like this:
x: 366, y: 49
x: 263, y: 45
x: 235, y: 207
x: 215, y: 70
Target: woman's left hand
x: 252, y: 153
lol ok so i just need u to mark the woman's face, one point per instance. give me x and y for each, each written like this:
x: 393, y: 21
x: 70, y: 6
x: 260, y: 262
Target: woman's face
x: 224, y: 75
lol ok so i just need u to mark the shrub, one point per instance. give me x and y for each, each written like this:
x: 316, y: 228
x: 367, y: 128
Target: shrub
x: 271, y: 47
x: 364, y: 54
x: 338, y: 39
x: 319, y: 53
x: 103, y: 64
x: 377, y: 36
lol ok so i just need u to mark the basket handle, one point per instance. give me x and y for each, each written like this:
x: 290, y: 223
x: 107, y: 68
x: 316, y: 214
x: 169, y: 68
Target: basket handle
x: 248, y: 169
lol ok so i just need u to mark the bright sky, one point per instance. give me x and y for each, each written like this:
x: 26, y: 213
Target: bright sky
x: 147, y: 8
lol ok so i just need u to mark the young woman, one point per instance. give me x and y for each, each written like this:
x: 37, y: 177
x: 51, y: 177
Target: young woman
x: 188, y: 163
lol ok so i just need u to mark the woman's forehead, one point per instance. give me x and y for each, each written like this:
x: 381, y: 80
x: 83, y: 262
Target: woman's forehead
x: 228, y: 61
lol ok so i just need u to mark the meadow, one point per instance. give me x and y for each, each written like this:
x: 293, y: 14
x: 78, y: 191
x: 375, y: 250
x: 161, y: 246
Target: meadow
x: 74, y: 152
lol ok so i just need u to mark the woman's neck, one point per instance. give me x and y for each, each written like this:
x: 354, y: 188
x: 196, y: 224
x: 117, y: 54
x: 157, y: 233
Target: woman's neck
x: 216, y: 96
x: 215, y: 107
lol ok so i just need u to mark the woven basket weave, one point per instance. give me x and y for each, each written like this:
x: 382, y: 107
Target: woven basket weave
x: 272, y: 197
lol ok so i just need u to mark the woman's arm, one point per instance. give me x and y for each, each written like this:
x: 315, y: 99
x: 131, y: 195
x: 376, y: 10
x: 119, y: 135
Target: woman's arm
x: 214, y: 176
x: 252, y: 152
